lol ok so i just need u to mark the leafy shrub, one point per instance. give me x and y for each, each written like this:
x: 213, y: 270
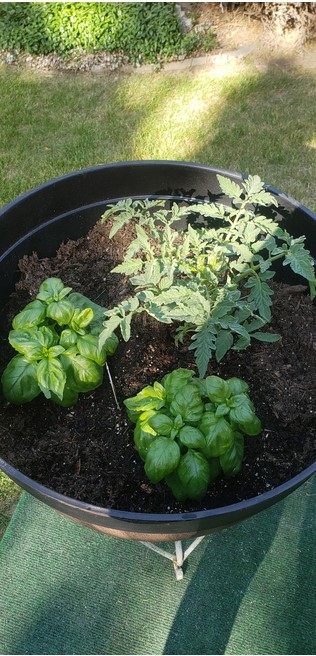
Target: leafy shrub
x: 56, y: 337
x: 213, y: 282
x: 141, y: 31
x: 188, y: 430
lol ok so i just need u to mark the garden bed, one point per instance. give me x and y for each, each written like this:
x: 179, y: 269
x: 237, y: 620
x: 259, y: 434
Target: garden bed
x: 86, y: 452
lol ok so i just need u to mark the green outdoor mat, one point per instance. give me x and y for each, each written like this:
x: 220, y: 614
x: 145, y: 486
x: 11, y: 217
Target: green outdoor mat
x: 250, y: 589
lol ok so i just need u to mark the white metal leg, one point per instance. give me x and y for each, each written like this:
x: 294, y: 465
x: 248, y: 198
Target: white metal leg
x: 178, y: 557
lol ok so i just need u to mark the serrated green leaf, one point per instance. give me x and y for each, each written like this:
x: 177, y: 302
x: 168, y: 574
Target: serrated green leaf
x: 204, y: 343
x: 253, y: 184
x: 300, y: 261
x: 260, y: 296
x: 129, y: 267
x: 229, y: 187
x: 110, y: 325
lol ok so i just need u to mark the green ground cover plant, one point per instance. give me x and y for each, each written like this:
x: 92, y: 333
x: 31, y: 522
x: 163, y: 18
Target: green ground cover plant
x: 140, y: 31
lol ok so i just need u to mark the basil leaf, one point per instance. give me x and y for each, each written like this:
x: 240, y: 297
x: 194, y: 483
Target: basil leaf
x: 237, y: 386
x: 55, y: 351
x: 147, y: 399
x: 61, y: 312
x: 32, y: 315
x: 88, y: 346
x: 218, y: 434
x: 19, y: 380
x: 52, y: 289
x: 68, y: 338
x: 81, y: 319
x: 21, y: 340
x: 252, y: 427
x: 174, y: 381
x: 82, y: 302
x: 161, y: 423
x: 47, y: 337
x: 187, y: 403
x: 83, y: 375
x: 194, y: 474
x: 52, y: 376
x: 178, y: 490
x: 215, y: 468
x: 69, y: 398
x: 241, y: 409
x: 217, y: 389
x: 231, y: 460
x: 192, y: 437
x: 142, y: 440
x: 162, y: 458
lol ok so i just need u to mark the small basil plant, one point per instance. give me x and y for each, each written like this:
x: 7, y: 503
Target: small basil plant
x: 189, y: 431
x: 57, y: 340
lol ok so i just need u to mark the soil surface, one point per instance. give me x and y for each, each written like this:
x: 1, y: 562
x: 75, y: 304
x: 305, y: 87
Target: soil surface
x: 87, y: 451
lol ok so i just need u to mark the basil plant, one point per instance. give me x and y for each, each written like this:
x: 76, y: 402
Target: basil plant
x: 57, y: 341
x: 189, y: 431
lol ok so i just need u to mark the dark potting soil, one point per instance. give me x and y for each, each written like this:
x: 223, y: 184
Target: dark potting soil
x: 87, y: 451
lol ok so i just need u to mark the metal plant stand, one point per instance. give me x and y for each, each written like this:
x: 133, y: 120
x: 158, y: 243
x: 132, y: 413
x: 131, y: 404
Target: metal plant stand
x: 178, y: 557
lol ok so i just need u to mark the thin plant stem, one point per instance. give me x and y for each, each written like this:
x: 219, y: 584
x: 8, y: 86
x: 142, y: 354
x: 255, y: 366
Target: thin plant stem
x: 112, y: 386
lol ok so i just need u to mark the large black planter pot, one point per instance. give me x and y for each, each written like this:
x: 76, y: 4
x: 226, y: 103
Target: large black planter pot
x: 66, y: 208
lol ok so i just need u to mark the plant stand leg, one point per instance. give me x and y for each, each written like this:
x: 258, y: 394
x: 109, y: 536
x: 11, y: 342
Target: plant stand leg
x: 178, y: 557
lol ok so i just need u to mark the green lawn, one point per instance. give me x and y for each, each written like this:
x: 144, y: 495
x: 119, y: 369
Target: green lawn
x: 237, y: 117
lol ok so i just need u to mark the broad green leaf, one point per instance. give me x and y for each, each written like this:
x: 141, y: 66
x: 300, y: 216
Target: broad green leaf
x: 83, y: 375
x: 267, y: 337
x: 147, y: 399
x: 19, y: 380
x: 61, y: 312
x: 194, y: 474
x: 142, y: 440
x: 47, y: 336
x: 217, y: 389
x: 188, y: 403
x: 231, y: 460
x: 69, y: 398
x: 68, y: 338
x: 178, y: 490
x: 224, y: 342
x: 237, y: 386
x: 88, y: 346
x: 162, y: 458
x: 252, y: 427
x: 83, y: 302
x: 161, y: 423
x: 81, y: 319
x: 24, y: 341
x: 241, y: 409
x: 33, y: 315
x: 192, y: 437
x: 174, y: 381
x: 52, y: 289
x: 52, y: 376
x: 218, y: 434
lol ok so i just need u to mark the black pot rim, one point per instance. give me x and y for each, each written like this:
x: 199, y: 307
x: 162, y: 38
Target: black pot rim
x: 151, y: 163
x: 233, y: 509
